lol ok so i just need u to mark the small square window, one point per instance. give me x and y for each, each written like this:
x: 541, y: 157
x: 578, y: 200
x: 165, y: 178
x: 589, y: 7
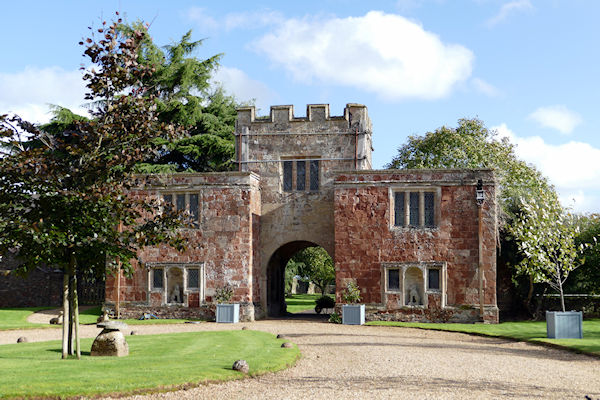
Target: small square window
x: 193, y: 278
x: 393, y: 279
x: 433, y: 279
x: 157, y: 278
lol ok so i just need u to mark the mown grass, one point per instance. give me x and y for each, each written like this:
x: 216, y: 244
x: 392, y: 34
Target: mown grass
x: 528, y: 331
x: 155, y: 362
x: 301, y: 302
x: 16, y: 318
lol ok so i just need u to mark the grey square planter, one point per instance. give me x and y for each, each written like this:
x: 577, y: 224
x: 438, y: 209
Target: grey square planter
x: 564, y: 325
x: 353, y: 314
x: 228, y: 313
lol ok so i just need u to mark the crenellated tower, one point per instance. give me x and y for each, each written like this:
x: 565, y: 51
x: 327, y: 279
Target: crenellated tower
x: 296, y: 159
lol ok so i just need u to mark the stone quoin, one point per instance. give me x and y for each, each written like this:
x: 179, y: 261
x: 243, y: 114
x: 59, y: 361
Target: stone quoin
x: 417, y: 242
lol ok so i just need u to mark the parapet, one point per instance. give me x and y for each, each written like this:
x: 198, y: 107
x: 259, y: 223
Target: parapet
x: 355, y: 116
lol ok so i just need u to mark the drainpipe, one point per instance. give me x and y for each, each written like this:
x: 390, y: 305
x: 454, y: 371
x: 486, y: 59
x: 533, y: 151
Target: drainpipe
x: 480, y: 198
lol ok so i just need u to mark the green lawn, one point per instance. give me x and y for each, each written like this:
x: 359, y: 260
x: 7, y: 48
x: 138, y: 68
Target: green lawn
x: 301, y: 302
x: 155, y: 362
x: 527, y: 331
x: 16, y: 318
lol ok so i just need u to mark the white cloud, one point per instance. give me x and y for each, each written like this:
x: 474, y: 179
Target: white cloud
x: 507, y: 9
x: 252, y: 20
x: 231, y: 21
x: 572, y: 167
x: 30, y: 92
x: 557, y: 117
x: 202, y: 18
x: 238, y: 83
x: 382, y: 53
x: 484, y: 87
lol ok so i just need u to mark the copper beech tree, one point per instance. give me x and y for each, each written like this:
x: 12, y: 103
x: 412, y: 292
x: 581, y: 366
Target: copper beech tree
x: 64, y: 192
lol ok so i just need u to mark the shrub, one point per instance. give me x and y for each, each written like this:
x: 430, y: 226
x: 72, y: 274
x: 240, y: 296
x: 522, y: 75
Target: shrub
x: 335, y: 318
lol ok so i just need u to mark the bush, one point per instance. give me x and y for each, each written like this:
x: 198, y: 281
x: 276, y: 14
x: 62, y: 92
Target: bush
x: 224, y: 294
x: 335, y: 318
x: 324, y: 302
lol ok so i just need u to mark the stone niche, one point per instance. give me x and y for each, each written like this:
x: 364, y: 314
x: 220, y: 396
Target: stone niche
x: 175, y: 285
x: 413, y: 286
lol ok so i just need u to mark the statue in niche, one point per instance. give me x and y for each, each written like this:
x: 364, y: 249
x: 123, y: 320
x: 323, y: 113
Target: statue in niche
x: 175, y: 296
x: 414, y: 299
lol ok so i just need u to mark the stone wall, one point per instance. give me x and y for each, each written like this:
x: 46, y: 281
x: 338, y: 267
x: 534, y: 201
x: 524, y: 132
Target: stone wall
x: 302, y: 216
x: 367, y: 242
x: 222, y: 246
x: 42, y: 287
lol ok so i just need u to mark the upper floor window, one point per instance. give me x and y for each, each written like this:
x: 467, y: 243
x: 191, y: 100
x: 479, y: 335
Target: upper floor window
x: 187, y: 202
x: 300, y: 174
x: 414, y: 208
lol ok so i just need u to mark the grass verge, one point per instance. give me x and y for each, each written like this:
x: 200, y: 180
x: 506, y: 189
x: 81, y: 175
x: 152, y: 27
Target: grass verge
x: 527, y: 331
x: 155, y: 363
x: 16, y: 318
x: 301, y: 302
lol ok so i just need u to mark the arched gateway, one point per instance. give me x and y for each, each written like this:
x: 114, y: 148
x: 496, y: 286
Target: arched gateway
x: 417, y: 242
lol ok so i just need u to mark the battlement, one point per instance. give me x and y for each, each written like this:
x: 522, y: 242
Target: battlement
x: 282, y: 117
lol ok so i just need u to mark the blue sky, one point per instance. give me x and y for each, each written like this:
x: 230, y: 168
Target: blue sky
x: 528, y: 68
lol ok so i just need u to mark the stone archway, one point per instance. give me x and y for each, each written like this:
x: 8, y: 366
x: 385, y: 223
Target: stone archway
x: 276, y: 275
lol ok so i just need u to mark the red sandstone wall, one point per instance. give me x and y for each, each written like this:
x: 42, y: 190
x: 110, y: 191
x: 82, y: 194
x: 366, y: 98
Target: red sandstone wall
x: 364, y: 239
x: 223, y: 242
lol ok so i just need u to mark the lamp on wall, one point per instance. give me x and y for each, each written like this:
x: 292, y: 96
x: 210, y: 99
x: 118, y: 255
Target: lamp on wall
x: 479, y: 194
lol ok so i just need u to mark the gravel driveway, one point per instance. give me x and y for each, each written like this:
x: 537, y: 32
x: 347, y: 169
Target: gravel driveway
x: 362, y: 362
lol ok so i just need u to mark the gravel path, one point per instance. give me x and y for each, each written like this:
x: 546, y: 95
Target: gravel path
x: 362, y: 362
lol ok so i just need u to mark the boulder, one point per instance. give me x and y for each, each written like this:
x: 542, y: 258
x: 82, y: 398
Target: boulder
x: 241, y: 365
x: 111, y: 341
x: 22, y: 339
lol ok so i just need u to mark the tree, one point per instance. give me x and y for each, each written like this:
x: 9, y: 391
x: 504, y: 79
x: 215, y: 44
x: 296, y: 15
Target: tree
x: 472, y: 145
x: 586, y: 279
x: 185, y: 96
x: 64, y: 189
x: 546, y: 234
x: 315, y: 265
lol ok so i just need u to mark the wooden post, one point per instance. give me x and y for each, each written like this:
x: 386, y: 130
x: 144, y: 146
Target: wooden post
x: 118, y: 305
x: 65, y: 330
x: 76, y: 317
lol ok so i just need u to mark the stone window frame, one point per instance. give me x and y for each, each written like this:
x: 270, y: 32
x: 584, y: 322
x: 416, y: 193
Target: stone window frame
x: 201, y: 290
x: 195, y: 224
x: 402, y: 267
x: 295, y: 159
x: 407, y: 189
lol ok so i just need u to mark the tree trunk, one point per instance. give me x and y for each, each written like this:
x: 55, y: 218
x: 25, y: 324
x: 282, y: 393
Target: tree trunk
x: 562, y: 294
x: 65, y: 330
x: 529, y: 297
x: 73, y: 268
x: 70, y: 349
x: 76, y: 317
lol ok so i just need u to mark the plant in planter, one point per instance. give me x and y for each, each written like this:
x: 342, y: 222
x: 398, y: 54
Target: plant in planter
x: 546, y: 237
x: 352, y: 313
x: 226, y: 312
